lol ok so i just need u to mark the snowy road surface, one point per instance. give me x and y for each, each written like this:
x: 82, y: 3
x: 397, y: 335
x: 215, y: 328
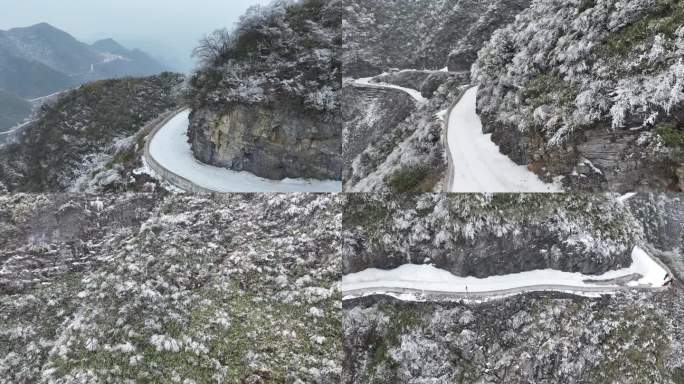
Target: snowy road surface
x: 366, y: 81
x: 411, y: 279
x: 477, y: 165
x: 170, y: 148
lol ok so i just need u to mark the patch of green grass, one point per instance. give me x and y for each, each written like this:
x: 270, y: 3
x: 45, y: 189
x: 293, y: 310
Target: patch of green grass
x: 678, y: 375
x: 412, y: 178
x: 670, y: 135
x: 626, y: 343
x: 549, y: 89
x: 254, y: 324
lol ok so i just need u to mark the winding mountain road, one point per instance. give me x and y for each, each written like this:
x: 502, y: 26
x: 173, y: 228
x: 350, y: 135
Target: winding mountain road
x: 427, y: 283
x: 169, y: 154
x: 475, y: 164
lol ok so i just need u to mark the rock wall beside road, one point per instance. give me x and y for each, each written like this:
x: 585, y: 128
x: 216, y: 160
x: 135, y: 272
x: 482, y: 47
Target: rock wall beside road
x: 275, y: 140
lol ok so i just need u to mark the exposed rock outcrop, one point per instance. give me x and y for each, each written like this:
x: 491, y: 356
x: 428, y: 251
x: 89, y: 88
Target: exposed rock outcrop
x: 275, y: 141
x: 266, y: 100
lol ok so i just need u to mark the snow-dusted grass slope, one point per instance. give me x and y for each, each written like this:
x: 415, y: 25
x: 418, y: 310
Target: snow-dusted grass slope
x: 478, y: 166
x: 429, y: 278
x: 171, y: 149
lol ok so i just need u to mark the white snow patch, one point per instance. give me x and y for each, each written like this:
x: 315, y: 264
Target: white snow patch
x: 623, y: 199
x: 478, y: 166
x: 171, y: 149
x: 442, y: 115
x: 591, y: 165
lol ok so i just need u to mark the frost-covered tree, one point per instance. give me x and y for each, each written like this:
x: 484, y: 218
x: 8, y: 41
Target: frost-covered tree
x: 288, y: 48
x: 567, y: 67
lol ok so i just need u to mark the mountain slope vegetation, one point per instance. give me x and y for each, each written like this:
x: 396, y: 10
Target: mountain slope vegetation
x: 599, y: 80
x: 234, y: 289
x: 89, y: 138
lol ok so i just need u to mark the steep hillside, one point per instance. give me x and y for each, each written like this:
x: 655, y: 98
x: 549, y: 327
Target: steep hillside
x: 481, y: 236
x: 390, y: 148
x: 13, y: 110
x: 662, y: 217
x: 596, y: 80
x: 265, y: 99
x: 537, y: 338
x: 90, y: 138
x: 134, y: 287
x: 423, y: 34
x: 545, y: 337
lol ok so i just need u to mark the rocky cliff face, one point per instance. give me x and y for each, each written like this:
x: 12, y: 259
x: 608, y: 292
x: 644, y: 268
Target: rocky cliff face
x: 475, y: 235
x: 265, y: 101
x: 275, y: 141
x: 589, y: 90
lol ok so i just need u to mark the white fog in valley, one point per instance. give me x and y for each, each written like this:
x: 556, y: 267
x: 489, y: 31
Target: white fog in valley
x: 166, y: 29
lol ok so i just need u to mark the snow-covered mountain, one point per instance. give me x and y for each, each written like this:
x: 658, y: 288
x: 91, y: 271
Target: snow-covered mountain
x: 47, y: 60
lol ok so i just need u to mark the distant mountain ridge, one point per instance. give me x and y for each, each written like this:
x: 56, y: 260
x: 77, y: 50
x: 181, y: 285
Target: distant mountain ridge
x: 41, y: 59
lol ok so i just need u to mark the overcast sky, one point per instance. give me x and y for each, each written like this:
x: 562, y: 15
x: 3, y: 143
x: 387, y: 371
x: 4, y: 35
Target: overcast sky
x: 165, y: 28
